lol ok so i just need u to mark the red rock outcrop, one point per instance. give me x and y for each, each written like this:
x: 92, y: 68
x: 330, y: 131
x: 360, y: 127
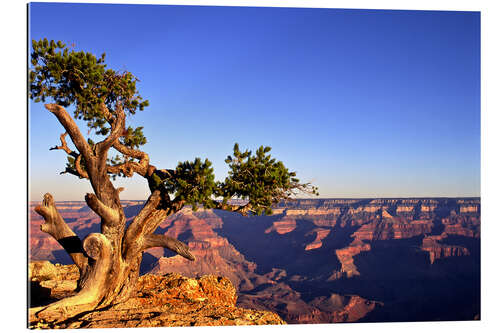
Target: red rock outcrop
x: 214, y: 254
x: 345, y: 257
x: 395, y: 228
x: 321, y: 233
x: 428, y: 208
x: 468, y: 206
x: 438, y: 250
x: 289, y: 304
x: 341, y: 309
x: 462, y: 225
x: 282, y: 226
x: 170, y: 300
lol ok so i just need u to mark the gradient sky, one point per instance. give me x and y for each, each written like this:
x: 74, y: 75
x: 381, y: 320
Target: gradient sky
x: 363, y: 103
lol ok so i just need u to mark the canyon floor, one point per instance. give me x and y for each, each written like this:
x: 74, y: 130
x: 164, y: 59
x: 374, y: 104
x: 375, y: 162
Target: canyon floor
x: 320, y: 260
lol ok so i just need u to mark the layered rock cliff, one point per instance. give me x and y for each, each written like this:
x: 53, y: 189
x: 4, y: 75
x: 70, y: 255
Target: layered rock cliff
x: 438, y: 250
x: 369, y: 251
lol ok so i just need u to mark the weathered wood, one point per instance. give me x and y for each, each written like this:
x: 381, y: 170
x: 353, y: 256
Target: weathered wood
x: 111, y: 215
x: 94, y: 284
x: 117, y: 125
x: 170, y: 243
x: 55, y: 226
x: 72, y: 129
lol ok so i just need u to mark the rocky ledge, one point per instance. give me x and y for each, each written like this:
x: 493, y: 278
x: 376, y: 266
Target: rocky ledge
x: 160, y: 300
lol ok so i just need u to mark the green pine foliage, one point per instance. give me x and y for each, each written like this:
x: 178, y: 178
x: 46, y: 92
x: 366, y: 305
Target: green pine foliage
x: 134, y: 137
x: 68, y: 77
x: 194, y: 183
x: 260, y: 179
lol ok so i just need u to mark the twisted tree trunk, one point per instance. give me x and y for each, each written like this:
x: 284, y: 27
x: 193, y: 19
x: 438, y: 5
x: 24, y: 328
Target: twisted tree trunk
x: 109, y: 261
x: 108, y: 270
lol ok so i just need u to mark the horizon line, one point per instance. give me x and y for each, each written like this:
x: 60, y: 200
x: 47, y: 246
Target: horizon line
x: 319, y: 198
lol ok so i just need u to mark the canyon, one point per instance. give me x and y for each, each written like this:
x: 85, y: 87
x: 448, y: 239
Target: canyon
x: 320, y: 260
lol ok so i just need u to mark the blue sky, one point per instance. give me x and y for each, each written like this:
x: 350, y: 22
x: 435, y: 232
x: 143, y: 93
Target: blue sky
x: 363, y: 103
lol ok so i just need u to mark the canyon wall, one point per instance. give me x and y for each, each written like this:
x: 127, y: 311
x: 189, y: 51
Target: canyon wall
x: 321, y: 260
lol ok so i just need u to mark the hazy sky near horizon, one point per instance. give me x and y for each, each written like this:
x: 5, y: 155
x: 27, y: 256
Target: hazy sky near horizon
x: 363, y: 103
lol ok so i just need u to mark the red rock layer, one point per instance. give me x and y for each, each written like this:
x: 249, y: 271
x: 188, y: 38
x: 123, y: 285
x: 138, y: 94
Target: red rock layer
x: 438, y: 250
x: 214, y: 254
x: 356, y: 309
x: 462, y: 225
x: 394, y: 229
x: 290, y: 306
x: 282, y: 227
x: 346, y: 259
x: 321, y: 233
x: 375, y: 220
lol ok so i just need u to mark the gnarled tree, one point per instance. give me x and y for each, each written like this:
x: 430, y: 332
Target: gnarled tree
x: 109, y: 261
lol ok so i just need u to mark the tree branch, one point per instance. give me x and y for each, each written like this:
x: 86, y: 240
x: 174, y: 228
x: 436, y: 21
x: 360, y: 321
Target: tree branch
x: 64, y: 146
x: 127, y: 169
x: 56, y: 227
x: 243, y: 210
x: 82, y: 173
x: 142, y: 167
x: 70, y: 171
x: 108, y: 214
x: 154, y: 212
x: 170, y: 243
x: 135, y: 229
x: 117, y: 126
x: 72, y: 129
